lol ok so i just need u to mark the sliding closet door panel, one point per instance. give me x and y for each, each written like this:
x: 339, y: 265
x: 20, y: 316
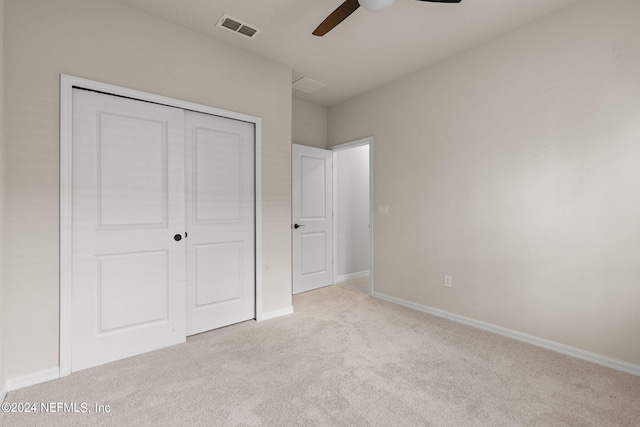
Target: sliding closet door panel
x: 220, y: 214
x: 128, y: 204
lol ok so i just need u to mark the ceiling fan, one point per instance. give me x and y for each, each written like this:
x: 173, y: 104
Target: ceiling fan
x: 350, y: 6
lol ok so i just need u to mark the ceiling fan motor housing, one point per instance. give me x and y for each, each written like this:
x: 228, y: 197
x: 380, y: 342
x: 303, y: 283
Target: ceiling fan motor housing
x: 375, y: 5
x: 349, y: 6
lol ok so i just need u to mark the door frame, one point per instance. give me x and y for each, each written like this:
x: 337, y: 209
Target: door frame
x: 67, y: 84
x: 340, y: 147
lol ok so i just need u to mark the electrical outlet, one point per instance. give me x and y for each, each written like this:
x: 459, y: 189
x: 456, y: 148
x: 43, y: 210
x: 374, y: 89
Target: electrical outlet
x: 447, y: 281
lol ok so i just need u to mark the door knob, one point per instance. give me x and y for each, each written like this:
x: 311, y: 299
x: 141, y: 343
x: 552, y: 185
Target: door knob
x: 296, y: 226
x: 177, y: 237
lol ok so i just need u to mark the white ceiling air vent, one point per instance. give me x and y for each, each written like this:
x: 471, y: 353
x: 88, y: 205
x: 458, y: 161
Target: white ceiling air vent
x: 237, y: 26
x: 307, y: 85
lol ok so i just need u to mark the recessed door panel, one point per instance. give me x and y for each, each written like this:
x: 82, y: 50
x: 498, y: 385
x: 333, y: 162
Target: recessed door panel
x: 312, y: 188
x: 130, y: 195
x: 314, y: 246
x: 133, y: 290
x: 219, y: 271
x: 218, y: 176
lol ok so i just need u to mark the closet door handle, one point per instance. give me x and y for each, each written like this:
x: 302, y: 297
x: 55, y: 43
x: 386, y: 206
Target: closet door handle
x: 177, y: 237
x: 296, y: 226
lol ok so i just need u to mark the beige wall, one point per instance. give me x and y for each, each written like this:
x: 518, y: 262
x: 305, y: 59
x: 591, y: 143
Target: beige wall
x: 2, y: 172
x: 514, y: 168
x: 107, y: 42
x: 309, y: 124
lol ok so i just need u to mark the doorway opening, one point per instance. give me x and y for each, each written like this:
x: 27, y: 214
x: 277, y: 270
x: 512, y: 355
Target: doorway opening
x: 353, y: 219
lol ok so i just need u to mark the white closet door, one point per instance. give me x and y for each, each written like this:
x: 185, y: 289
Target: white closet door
x: 220, y: 221
x: 128, y: 204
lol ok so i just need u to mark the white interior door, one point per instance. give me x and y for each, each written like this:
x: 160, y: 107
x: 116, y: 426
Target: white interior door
x: 312, y: 229
x: 220, y: 221
x: 128, y: 285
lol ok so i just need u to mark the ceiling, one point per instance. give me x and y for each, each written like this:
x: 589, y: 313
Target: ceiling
x: 368, y: 50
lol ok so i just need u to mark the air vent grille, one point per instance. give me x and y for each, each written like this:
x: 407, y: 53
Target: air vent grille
x: 237, y: 26
x: 247, y: 31
x: 231, y: 24
x: 307, y: 85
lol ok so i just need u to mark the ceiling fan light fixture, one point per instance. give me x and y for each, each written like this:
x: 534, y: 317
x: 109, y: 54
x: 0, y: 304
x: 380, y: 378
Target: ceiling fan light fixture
x: 375, y: 5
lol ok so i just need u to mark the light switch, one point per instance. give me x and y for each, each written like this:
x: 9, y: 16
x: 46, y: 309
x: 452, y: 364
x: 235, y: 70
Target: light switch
x: 383, y: 209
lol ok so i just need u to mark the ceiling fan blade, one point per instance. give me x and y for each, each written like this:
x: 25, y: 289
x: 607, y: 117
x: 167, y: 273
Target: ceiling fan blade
x: 443, y: 1
x: 336, y: 17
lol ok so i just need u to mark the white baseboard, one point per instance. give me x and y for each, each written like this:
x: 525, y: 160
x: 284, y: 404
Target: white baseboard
x: 33, y: 379
x: 274, y: 314
x: 352, y: 276
x: 3, y: 393
x: 599, y: 359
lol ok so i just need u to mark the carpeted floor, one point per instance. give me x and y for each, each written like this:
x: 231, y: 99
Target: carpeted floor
x: 361, y: 284
x: 343, y: 359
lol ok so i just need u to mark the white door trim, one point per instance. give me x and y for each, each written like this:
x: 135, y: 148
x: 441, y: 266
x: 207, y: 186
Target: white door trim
x: 357, y: 143
x: 67, y: 83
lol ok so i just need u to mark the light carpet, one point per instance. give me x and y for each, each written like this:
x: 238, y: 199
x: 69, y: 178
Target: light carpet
x: 360, y: 284
x: 343, y: 359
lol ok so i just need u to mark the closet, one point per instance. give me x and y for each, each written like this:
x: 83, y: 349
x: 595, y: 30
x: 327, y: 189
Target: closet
x: 163, y: 225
